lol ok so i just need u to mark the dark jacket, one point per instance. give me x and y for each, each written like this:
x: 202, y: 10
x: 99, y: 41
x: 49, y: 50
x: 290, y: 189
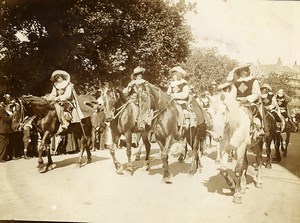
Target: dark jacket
x: 5, y: 121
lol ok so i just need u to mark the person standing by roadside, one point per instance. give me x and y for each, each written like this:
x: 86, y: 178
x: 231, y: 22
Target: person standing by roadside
x: 5, y: 130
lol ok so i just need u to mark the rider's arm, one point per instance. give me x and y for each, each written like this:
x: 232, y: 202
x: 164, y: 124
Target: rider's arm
x: 255, y: 92
x: 67, y: 95
x: 182, y: 95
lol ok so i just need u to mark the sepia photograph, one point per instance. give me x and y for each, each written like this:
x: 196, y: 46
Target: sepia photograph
x: 174, y: 111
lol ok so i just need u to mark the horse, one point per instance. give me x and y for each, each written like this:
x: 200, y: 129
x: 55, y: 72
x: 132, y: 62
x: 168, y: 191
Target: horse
x: 283, y: 145
x: 47, y: 123
x: 231, y: 126
x: 272, y: 136
x: 163, y: 122
x: 122, y: 115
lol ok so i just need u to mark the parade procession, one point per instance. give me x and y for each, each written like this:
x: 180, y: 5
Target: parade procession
x: 114, y: 111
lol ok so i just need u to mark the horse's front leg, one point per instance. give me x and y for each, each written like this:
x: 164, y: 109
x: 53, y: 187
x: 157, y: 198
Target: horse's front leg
x: 268, y: 163
x: 146, y: 141
x: 129, y: 168
x: 111, y: 143
x: 240, y: 173
x: 224, y: 171
x: 287, y: 141
x: 258, y: 176
x: 164, y: 156
x: 43, y: 144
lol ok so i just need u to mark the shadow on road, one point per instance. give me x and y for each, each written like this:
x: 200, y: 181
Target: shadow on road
x: 71, y: 161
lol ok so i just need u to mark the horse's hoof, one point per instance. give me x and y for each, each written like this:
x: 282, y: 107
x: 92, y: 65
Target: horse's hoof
x: 167, y: 179
x: 129, y: 172
x: 268, y: 165
x: 282, y: 149
x: 258, y: 185
x: 89, y: 160
x: 43, y: 169
x: 137, y: 158
x: 237, y: 199
x: 51, y: 167
x: 284, y: 154
x: 191, y: 172
x: 277, y: 159
x: 120, y: 170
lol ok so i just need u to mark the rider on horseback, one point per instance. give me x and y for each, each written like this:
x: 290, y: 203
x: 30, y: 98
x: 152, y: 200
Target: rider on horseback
x: 179, y: 90
x: 62, y: 95
x: 136, y: 79
x: 270, y: 103
x: 245, y: 88
x: 283, y: 100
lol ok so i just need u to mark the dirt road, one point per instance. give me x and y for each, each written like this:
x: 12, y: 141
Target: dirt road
x: 95, y: 193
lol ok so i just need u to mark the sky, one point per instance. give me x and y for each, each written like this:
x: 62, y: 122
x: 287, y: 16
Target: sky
x: 249, y: 30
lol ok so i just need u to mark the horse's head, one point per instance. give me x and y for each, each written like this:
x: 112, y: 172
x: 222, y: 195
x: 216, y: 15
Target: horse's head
x: 220, y: 116
x: 144, y: 101
x: 110, y: 97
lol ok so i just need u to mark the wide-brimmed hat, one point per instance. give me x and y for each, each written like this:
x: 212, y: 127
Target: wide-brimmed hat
x: 137, y: 70
x: 178, y: 69
x: 266, y: 86
x: 232, y: 74
x: 64, y: 74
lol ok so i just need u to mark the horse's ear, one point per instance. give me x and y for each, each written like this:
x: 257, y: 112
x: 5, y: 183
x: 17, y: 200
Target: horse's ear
x: 100, y: 85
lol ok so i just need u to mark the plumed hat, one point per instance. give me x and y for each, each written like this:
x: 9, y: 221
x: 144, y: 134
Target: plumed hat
x: 136, y: 71
x: 232, y: 74
x: 63, y: 73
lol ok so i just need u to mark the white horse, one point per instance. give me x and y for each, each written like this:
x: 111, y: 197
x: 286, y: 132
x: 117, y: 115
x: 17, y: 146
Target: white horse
x: 231, y: 126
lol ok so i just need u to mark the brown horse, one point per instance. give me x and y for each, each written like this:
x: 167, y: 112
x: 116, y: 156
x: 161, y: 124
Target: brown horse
x: 283, y: 144
x: 122, y: 116
x: 232, y: 127
x: 47, y: 123
x: 272, y: 136
x: 165, y: 126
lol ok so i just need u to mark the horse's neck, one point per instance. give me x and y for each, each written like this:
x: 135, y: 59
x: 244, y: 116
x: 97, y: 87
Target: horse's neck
x: 159, y: 99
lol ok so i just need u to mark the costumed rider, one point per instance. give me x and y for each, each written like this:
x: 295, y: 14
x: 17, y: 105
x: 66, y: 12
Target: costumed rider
x: 136, y: 79
x: 62, y: 96
x: 270, y: 103
x: 179, y: 90
x: 245, y: 88
x: 283, y: 100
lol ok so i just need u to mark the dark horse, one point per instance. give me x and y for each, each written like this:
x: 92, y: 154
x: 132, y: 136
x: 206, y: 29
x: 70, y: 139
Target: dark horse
x: 165, y: 126
x: 47, y: 123
x: 122, y: 115
x: 272, y: 136
x: 283, y: 145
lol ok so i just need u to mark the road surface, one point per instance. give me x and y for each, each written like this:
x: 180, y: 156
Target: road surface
x: 95, y: 193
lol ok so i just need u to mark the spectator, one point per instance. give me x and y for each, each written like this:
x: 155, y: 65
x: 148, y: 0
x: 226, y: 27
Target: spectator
x: 5, y: 130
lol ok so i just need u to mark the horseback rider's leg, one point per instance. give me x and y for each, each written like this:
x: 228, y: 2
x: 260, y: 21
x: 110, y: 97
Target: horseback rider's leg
x: 65, y: 117
x: 257, y: 121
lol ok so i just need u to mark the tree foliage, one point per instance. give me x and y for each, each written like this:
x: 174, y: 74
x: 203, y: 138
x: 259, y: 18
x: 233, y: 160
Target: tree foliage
x: 206, y: 65
x: 280, y: 81
x: 92, y: 40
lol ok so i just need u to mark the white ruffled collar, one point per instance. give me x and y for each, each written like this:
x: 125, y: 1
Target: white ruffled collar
x: 60, y: 85
x: 176, y: 83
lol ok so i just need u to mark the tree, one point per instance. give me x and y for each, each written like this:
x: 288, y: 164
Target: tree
x: 92, y: 40
x: 280, y: 81
x: 206, y: 65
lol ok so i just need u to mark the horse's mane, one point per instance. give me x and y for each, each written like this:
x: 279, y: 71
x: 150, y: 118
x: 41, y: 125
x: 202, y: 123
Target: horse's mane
x: 162, y: 98
x: 38, y: 103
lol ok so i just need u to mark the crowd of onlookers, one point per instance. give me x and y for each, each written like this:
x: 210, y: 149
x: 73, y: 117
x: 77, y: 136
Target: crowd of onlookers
x: 12, y: 140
